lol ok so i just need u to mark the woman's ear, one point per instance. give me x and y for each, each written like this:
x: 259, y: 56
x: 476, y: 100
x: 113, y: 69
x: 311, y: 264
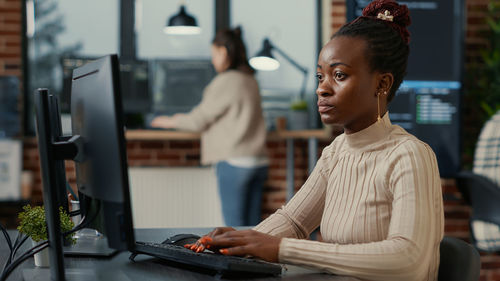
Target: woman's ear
x: 225, y: 55
x: 385, y: 82
x: 224, y: 51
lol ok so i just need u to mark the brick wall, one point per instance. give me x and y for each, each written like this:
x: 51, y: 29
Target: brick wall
x: 186, y: 153
x: 10, y: 37
x: 476, y: 39
x: 10, y: 41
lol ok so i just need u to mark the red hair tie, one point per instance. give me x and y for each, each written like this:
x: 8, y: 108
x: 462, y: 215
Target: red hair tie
x: 389, y: 11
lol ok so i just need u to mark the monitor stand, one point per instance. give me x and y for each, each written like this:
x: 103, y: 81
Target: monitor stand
x: 89, y: 246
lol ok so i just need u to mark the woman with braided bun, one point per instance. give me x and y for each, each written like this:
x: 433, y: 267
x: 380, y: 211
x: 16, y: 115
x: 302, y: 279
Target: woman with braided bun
x: 375, y: 192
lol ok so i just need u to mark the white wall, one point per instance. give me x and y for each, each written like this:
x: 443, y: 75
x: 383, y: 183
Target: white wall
x: 175, y: 197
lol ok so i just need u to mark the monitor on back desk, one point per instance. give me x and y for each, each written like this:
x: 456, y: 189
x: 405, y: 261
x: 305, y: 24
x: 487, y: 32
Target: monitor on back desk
x: 178, y: 85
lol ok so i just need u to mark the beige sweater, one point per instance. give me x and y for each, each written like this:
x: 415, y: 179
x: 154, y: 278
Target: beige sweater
x: 376, y: 194
x: 229, y: 117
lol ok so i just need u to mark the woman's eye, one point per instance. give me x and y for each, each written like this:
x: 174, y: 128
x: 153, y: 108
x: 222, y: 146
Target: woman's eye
x: 340, y: 75
x: 318, y: 76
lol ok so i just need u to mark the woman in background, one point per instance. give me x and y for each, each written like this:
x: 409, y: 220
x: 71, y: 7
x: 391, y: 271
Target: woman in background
x: 233, y: 130
x: 376, y: 190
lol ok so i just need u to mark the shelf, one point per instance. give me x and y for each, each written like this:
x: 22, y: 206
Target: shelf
x: 183, y: 135
x: 160, y: 135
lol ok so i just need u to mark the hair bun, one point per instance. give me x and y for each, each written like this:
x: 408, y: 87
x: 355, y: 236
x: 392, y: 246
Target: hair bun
x: 400, y: 15
x: 237, y: 31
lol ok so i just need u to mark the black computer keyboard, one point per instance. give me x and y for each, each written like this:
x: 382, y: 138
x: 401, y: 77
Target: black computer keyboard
x: 219, y: 264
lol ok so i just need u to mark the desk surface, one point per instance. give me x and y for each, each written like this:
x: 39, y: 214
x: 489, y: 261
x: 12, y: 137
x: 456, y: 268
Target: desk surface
x: 121, y: 268
x: 183, y: 135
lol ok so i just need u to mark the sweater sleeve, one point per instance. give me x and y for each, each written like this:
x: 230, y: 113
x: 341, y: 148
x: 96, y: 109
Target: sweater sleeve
x: 416, y: 228
x: 302, y: 215
x: 217, y: 97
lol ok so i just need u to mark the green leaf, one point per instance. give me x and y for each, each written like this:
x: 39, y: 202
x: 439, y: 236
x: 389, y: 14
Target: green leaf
x: 33, y: 224
x: 495, y: 26
x: 298, y: 105
x: 487, y: 108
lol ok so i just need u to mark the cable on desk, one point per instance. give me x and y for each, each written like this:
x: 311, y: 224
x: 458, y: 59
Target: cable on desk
x: 22, y: 258
x: 12, y: 247
x: 17, y: 244
x: 7, y: 237
x: 9, y: 242
x: 9, y: 265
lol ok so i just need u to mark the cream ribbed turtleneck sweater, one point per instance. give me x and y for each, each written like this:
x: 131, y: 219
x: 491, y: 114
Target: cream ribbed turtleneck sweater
x: 376, y: 194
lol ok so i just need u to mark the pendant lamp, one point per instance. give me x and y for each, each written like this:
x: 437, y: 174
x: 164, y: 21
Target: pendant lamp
x: 182, y: 23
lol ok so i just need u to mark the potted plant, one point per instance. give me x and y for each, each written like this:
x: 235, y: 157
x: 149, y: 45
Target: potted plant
x: 33, y: 224
x: 488, y: 72
x: 298, y: 117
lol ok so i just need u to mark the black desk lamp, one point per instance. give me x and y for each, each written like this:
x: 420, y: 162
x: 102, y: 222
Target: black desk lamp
x: 264, y: 60
x: 182, y: 24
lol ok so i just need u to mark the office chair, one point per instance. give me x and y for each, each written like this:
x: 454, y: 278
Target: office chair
x: 483, y: 195
x: 481, y: 188
x: 459, y: 261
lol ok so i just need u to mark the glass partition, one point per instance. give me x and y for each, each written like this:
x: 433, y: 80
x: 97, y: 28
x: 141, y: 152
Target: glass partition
x: 65, y: 29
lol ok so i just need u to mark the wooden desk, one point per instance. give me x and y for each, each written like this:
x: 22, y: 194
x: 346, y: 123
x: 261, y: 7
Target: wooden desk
x: 121, y: 268
x: 160, y: 135
x: 184, y: 135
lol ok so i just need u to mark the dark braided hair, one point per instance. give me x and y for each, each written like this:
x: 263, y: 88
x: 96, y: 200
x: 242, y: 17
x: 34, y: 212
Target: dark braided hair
x: 387, y: 40
x: 236, y: 51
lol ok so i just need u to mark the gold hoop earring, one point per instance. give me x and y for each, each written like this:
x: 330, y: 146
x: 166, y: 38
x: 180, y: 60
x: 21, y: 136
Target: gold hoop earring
x: 378, y: 107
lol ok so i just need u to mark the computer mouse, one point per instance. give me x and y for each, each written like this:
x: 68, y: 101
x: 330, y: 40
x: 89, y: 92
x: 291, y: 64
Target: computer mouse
x: 182, y: 239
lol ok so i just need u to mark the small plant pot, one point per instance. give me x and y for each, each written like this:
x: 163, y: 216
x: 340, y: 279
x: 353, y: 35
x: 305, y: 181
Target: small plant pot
x: 75, y: 206
x: 42, y: 258
x: 298, y: 120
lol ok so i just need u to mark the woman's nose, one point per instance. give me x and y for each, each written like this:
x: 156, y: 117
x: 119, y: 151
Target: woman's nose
x: 323, y: 91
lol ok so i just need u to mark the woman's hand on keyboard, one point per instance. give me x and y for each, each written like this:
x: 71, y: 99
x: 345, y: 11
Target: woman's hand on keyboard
x: 244, y: 243
x: 203, y: 242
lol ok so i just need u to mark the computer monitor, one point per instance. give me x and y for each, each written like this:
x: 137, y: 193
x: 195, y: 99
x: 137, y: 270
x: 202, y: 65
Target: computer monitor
x: 136, y: 88
x: 428, y: 102
x: 102, y: 175
x: 178, y: 85
x: 97, y: 146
